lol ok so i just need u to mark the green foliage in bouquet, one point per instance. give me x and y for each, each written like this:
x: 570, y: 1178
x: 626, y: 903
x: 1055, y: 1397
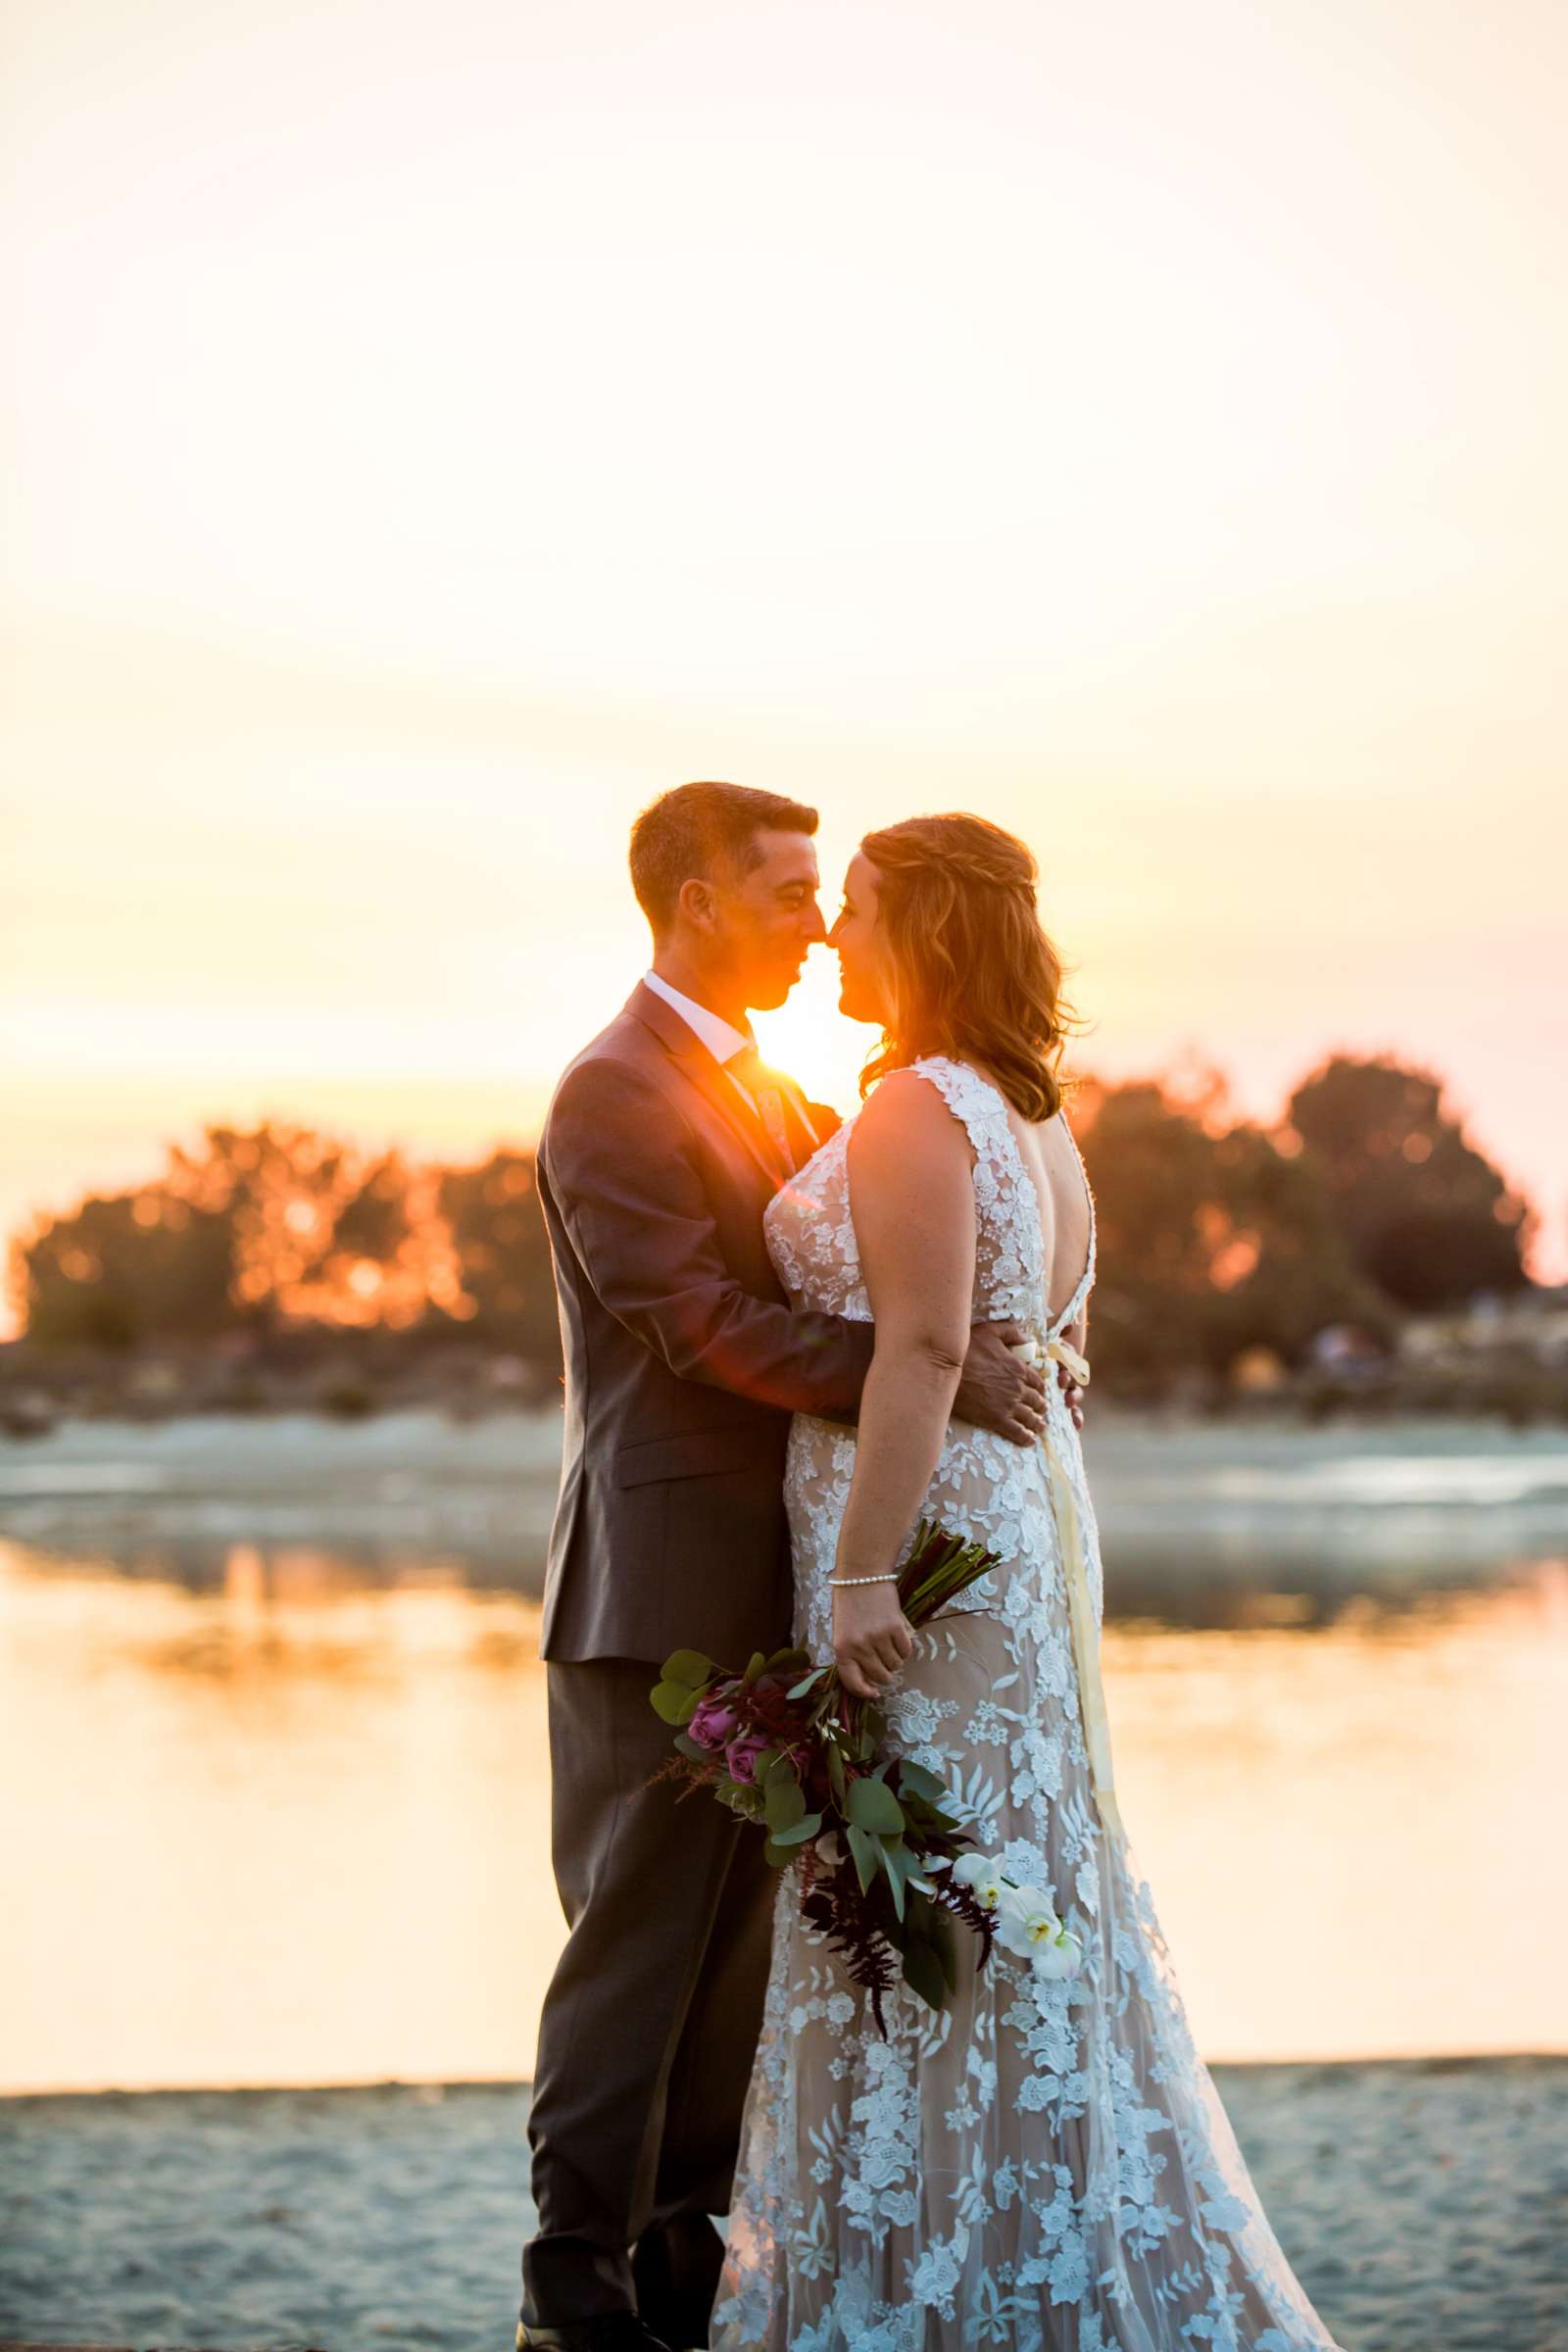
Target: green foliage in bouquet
x: 876, y: 1835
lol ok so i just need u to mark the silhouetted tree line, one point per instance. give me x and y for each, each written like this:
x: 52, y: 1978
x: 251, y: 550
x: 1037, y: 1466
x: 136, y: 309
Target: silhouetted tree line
x: 1364, y: 1205
x: 283, y: 1234
x: 1216, y: 1236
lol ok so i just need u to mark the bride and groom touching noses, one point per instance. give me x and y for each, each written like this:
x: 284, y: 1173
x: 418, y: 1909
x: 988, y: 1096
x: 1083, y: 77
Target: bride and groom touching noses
x: 788, y: 1339
x: 665, y: 1141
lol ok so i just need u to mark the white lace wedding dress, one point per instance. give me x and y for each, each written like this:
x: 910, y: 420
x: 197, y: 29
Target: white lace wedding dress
x: 1046, y: 2166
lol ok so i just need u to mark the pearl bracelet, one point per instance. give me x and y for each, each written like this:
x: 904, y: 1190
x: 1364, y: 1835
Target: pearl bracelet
x: 839, y: 1582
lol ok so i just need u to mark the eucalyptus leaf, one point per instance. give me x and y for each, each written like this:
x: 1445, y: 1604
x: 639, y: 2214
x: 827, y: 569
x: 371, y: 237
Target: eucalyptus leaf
x: 809, y: 1826
x: 946, y: 1948
x: 872, y: 1805
x: 670, y: 1701
x: 785, y: 1802
x: 918, y: 1781
x: 897, y: 1862
x: 866, y: 1853
x: 800, y: 1689
x: 754, y: 1668
x: 923, y: 1973
x: 689, y: 1668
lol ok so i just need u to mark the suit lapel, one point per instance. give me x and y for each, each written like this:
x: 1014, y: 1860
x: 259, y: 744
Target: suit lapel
x: 695, y: 1063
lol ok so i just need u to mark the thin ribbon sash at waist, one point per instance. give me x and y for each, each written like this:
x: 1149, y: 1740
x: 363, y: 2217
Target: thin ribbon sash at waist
x: 1081, y: 1606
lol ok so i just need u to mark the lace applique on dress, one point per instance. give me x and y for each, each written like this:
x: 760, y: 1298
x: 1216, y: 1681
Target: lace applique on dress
x: 1047, y: 2166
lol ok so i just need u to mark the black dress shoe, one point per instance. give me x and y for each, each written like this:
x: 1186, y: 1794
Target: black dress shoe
x: 675, y: 2273
x: 608, y: 2331
x: 682, y: 2324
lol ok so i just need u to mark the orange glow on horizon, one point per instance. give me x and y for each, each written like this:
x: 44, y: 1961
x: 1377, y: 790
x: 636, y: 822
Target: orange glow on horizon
x: 429, y: 460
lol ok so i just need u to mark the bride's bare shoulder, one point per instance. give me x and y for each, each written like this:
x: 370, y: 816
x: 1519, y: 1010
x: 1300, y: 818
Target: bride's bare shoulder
x: 906, y: 1116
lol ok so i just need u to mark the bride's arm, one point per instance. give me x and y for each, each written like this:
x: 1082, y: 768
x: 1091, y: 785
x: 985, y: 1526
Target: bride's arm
x: 911, y: 1196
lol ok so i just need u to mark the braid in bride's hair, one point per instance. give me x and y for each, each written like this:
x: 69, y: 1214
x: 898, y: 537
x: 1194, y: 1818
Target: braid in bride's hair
x: 973, y: 973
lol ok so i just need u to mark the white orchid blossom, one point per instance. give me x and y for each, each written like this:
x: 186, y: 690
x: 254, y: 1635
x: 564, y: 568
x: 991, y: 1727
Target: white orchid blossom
x: 1061, y: 1954
x: 982, y: 1875
x: 1029, y: 1929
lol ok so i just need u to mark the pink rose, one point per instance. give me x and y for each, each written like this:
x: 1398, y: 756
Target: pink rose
x: 740, y: 1756
x: 715, y: 1722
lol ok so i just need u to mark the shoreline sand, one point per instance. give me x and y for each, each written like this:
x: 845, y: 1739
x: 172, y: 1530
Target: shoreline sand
x: 1422, y: 2202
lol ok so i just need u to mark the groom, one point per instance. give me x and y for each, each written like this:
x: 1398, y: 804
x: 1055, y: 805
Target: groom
x: 666, y: 1139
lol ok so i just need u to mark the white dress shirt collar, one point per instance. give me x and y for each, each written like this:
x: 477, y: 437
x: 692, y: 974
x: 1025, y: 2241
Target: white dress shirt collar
x: 722, y: 1040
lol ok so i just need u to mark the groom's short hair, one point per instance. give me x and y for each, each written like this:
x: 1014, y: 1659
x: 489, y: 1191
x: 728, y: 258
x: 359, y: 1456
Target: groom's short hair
x: 700, y: 831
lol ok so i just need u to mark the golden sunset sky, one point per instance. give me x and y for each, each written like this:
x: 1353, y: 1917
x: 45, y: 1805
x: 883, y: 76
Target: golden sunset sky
x: 432, y: 431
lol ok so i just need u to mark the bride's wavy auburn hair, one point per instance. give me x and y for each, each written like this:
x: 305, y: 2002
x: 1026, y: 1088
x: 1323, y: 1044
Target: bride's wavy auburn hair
x: 973, y: 972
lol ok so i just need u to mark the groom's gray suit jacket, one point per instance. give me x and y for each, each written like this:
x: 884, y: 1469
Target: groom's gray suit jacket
x: 683, y: 1360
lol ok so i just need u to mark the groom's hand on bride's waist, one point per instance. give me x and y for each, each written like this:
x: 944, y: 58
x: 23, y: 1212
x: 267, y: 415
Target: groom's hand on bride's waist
x: 997, y: 1389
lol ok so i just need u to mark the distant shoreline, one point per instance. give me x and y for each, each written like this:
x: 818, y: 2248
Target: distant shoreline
x: 433, y: 2092
x: 1334, y: 1499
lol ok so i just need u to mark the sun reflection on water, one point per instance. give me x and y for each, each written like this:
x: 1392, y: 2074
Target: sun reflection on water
x: 289, y: 1827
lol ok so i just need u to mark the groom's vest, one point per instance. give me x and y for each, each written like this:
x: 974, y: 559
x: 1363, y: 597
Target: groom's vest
x: 683, y: 1361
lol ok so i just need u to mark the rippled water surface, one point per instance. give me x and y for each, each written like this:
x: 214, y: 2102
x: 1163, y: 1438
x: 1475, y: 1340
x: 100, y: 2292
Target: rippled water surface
x: 273, y: 1743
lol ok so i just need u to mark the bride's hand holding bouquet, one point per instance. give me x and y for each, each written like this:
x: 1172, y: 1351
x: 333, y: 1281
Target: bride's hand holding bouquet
x: 872, y: 1638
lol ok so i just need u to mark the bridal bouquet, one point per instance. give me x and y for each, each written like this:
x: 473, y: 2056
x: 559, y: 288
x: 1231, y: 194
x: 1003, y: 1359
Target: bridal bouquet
x: 886, y: 1868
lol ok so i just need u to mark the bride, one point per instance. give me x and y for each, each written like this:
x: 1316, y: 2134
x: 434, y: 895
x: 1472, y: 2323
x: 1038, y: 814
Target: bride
x: 1044, y: 2166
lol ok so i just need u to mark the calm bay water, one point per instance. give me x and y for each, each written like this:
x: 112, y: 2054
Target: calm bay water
x: 273, y: 1742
